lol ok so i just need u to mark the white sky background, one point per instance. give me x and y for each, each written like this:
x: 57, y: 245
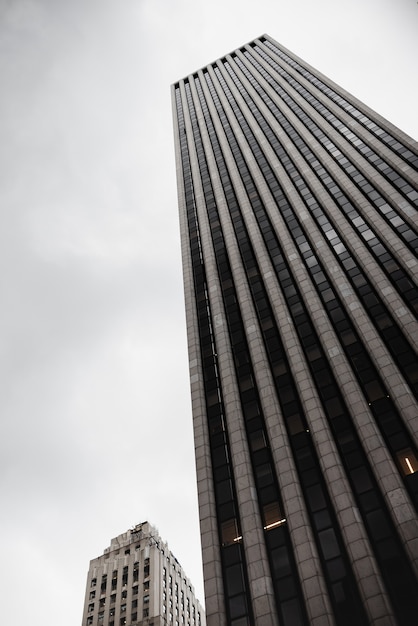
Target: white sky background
x: 96, y: 428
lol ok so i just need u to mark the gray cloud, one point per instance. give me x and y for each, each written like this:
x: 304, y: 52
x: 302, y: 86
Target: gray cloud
x: 96, y: 423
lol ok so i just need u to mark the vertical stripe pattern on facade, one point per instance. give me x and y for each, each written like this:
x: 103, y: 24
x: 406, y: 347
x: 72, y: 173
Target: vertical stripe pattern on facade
x: 299, y: 234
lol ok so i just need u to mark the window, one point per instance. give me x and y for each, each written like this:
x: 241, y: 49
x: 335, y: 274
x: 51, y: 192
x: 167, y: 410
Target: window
x: 229, y: 532
x: 93, y: 582
x: 136, y: 571
x: 91, y: 608
x: 89, y: 620
x: 408, y: 461
x: 123, y: 608
x: 92, y: 595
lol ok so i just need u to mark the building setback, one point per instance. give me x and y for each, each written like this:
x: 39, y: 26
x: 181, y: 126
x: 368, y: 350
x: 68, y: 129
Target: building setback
x: 299, y: 239
x: 139, y: 582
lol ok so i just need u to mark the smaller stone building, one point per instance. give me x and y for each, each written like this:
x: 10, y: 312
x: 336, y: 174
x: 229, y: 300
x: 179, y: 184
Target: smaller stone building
x: 137, y: 582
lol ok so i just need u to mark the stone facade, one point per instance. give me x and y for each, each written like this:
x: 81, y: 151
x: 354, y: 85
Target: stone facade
x: 137, y: 581
x: 299, y: 238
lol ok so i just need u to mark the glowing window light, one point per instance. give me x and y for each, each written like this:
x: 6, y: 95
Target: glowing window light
x: 408, y: 462
x: 274, y: 524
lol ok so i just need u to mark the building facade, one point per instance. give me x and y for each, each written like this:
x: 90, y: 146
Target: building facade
x: 299, y: 240
x: 137, y: 581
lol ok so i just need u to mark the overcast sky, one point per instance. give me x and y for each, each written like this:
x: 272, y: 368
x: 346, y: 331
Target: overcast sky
x: 96, y: 431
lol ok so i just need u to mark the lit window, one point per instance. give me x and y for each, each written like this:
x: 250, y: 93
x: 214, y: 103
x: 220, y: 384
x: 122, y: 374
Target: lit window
x: 229, y: 532
x: 272, y: 516
x: 408, y: 461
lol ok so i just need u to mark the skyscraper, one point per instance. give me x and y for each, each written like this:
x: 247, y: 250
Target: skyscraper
x: 299, y: 239
x: 137, y: 581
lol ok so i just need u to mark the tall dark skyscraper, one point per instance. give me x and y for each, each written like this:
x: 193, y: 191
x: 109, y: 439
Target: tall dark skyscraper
x: 299, y: 237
